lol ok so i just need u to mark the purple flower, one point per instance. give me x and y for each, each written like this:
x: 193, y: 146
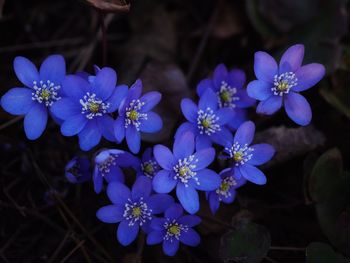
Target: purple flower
x: 173, y: 229
x: 206, y: 121
x: 77, y: 170
x: 135, y: 116
x: 245, y: 157
x: 226, y: 192
x: 41, y: 91
x: 277, y: 85
x: 87, y: 105
x: 149, y: 166
x: 132, y: 209
x: 185, y: 170
x: 108, y: 164
x: 228, y: 85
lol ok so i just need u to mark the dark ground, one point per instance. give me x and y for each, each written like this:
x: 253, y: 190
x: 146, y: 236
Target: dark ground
x: 171, y: 44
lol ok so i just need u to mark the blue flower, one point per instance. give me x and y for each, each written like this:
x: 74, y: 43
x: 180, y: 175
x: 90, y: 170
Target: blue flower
x: 245, y: 157
x: 87, y: 105
x: 77, y: 170
x: 173, y: 229
x: 228, y: 85
x: 206, y: 121
x: 108, y: 164
x: 135, y: 116
x: 277, y: 85
x: 185, y: 170
x: 226, y: 192
x: 133, y: 209
x: 41, y: 91
x: 149, y: 166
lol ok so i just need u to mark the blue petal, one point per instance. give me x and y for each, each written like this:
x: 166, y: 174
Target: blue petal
x: 214, y: 202
x: 189, y: 110
x: 163, y: 182
x: 270, y: 106
x: 188, y: 198
x: 209, y: 99
x: 190, y: 238
x: 73, y: 125
x: 259, y: 89
x: 238, y: 119
x: 203, y: 85
x: 104, y: 83
x: 65, y: 108
x: 189, y: 220
x: 118, y: 95
x: 244, y: 100
x: 53, y: 68
x: 105, y: 124
x: 262, y: 153
x: 126, y: 233
x: 153, y: 123
x: 158, y: 223
x: 222, y: 137
x: 126, y: 159
x: 35, y: 121
x: 245, y: 133
x: 292, y: 59
x: 170, y: 247
x: 118, y: 193
x: 75, y: 87
x: 159, y: 203
x: 236, y: 78
x: 90, y: 136
x: 252, y: 174
x: 119, y: 129
x: 208, y: 180
x: 225, y: 115
x: 98, y: 181
x: 110, y: 213
x: 164, y: 157
x: 135, y: 91
x: 174, y: 212
x: 220, y: 74
x: 298, y: 109
x: 17, y: 101
x: 184, y: 146
x: 141, y: 188
x: 155, y: 237
x: 25, y: 71
x: 151, y: 99
x: 265, y: 66
x: 203, y: 158
x: 133, y: 139
x: 147, y: 154
x: 202, y: 142
x: 308, y: 76
x: 230, y: 198
x: 115, y: 175
x: 184, y: 127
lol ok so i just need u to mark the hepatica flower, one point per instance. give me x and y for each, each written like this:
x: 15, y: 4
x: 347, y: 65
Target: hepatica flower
x: 87, y: 105
x: 206, y: 121
x: 186, y: 170
x: 229, y: 88
x: 77, y: 170
x: 149, y: 166
x: 132, y: 209
x: 245, y: 156
x: 280, y: 84
x: 41, y: 91
x: 135, y: 116
x: 226, y: 192
x: 173, y: 229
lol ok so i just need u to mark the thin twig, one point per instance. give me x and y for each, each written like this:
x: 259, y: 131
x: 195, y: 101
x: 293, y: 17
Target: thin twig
x: 72, y: 251
x: 10, y: 122
x: 288, y: 248
x: 59, y: 248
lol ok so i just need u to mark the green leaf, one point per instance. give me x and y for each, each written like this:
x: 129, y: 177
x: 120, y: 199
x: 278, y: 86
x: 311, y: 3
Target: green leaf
x: 248, y: 243
x: 322, y: 253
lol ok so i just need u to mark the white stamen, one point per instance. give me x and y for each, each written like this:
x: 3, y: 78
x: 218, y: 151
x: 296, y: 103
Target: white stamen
x: 92, y: 106
x: 105, y: 167
x: 283, y: 83
x: 226, y: 95
x: 45, y: 92
x: 240, y: 154
x: 174, y: 230
x: 133, y: 114
x: 207, y: 122
x: 224, y: 189
x: 184, y: 170
x: 137, y: 212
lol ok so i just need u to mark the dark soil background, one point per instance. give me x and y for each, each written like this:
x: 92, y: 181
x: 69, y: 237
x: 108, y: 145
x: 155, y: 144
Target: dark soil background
x: 171, y: 45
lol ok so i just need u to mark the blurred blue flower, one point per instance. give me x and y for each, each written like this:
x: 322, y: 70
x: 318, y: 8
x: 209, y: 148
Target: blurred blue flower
x: 206, y: 121
x: 229, y: 87
x: 185, y: 170
x: 226, y: 192
x: 41, y: 91
x: 277, y: 85
x: 173, y: 229
x: 149, y: 166
x: 245, y: 157
x: 132, y: 209
x: 86, y: 106
x: 135, y: 116
x: 77, y: 170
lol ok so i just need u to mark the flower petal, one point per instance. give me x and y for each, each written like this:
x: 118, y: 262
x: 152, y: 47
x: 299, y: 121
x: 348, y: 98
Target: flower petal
x: 262, y: 153
x: 252, y: 174
x: 225, y: 115
x: 184, y: 146
x: 238, y: 119
x: 53, y: 68
x: 265, y: 66
x: 118, y: 193
x: 229, y: 198
x: 184, y: 127
x: 222, y: 137
x: 203, y: 158
x: 17, y: 101
x: 220, y: 74
x: 98, y: 181
x: 214, y: 202
x: 119, y: 129
x: 141, y: 188
x: 105, y: 124
x: 209, y: 99
x: 110, y: 213
x: 104, y: 83
x: 174, y: 211
x: 170, y: 247
x: 126, y: 233
x: 236, y: 78
x: 118, y: 95
x: 65, y: 108
x: 133, y: 139
x: 155, y: 237
x: 308, y: 76
x: 189, y: 110
x: 190, y: 238
x: 135, y: 91
x: 188, y: 198
x: 202, y: 142
x: 159, y: 203
x: 244, y: 100
x: 35, y: 121
x: 203, y: 85
x: 90, y: 136
x: 73, y: 125
x: 270, y: 106
x: 75, y: 87
x: 189, y: 220
x: 245, y: 133
x: 163, y: 182
x: 153, y: 123
x: 25, y: 71
x: 292, y: 59
x: 151, y: 99
x: 208, y: 180
x: 259, y: 89
x: 297, y: 108
x: 163, y: 156
x: 115, y: 174
x: 158, y: 223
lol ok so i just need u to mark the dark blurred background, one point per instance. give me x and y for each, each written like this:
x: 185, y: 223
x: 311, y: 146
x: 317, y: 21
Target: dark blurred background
x: 171, y: 45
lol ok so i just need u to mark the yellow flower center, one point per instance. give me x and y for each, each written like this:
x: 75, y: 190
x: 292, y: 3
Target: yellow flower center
x: 133, y: 115
x: 136, y: 211
x: 94, y: 107
x: 225, y: 96
x: 206, y: 123
x: 148, y: 169
x: 283, y: 86
x: 45, y: 94
x: 184, y: 170
x: 175, y: 230
x: 238, y: 156
x: 224, y: 187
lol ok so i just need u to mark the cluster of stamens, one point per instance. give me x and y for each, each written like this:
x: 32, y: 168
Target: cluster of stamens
x: 174, y: 230
x: 240, y: 154
x: 149, y: 168
x: 92, y: 106
x: 137, y: 212
x: 207, y: 122
x: 133, y: 114
x: 225, y: 186
x: 105, y: 166
x: 184, y: 170
x: 45, y: 92
x: 226, y: 95
x: 283, y: 83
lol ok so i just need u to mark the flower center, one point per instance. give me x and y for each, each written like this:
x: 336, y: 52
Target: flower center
x: 92, y: 106
x: 105, y: 166
x: 226, y: 95
x: 133, y: 114
x: 45, y: 92
x: 149, y: 168
x: 225, y: 186
x: 184, y: 170
x: 137, y: 212
x: 240, y: 154
x: 283, y: 83
x: 174, y: 229
x: 207, y: 122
